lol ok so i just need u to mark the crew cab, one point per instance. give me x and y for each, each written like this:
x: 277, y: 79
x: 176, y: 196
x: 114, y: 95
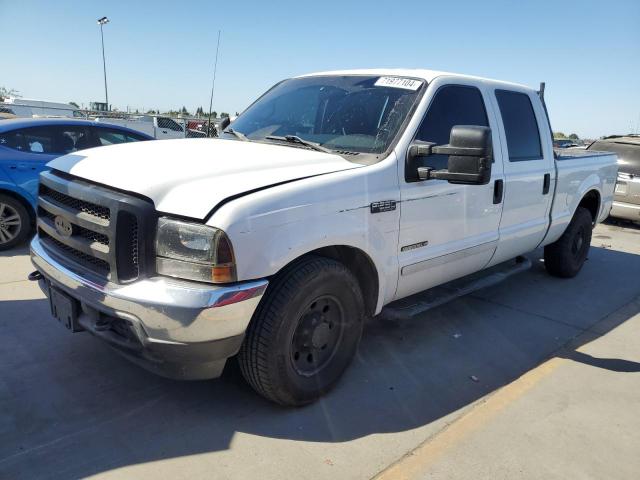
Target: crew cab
x: 331, y: 197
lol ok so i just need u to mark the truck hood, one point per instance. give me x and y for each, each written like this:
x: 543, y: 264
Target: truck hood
x: 190, y: 177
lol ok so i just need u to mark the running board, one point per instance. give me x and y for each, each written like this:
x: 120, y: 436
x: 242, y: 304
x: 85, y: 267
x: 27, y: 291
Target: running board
x: 418, y: 303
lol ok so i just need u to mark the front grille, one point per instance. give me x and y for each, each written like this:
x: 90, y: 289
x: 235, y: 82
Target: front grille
x: 100, y: 266
x: 95, y: 227
x: 74, y: 203
x: 84, y: 232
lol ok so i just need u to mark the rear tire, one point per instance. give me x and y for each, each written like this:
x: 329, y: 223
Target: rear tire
x: 15, y: 222
x: 565, y: 257
x: 304, y: 333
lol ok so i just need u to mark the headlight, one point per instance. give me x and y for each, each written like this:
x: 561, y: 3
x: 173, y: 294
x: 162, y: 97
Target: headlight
x: 194, y: 252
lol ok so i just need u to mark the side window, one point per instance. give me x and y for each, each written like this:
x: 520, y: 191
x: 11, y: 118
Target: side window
x: 70, y: 138
x: 37, y: 139
x: 13, y: 139
x: 520, y: 126
x: 132, y: 137
x: 164, y: 122
x: 110, y: 137
x: 452, y: 105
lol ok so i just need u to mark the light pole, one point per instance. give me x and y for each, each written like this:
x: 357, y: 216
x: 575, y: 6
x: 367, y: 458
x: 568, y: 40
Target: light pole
x: 102, y: 21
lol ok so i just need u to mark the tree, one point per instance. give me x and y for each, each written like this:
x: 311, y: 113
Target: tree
x: 574, y: 136
x: 151, y: 112
x: 224, y: 115
x: 8, y: 92
x: 184, y: 111
x: 74, y: 104
x: 214, y: 114
x: 559, y: 135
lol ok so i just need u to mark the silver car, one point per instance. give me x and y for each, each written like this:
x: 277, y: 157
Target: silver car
x: 626, y: 202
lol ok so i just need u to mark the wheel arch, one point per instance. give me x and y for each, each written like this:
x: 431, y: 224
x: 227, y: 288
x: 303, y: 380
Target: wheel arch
x: 591, y: 200
x: 359, y: 263
x: 23, y: 201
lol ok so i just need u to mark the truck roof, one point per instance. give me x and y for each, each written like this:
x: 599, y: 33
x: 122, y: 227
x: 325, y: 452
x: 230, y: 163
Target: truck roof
x: 424, y: 74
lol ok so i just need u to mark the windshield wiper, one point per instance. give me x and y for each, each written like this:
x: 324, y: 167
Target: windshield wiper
x: 298, y: 140
x: 238, y: 135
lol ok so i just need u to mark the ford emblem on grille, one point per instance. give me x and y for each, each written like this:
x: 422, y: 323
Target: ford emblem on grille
x: 63, y: 226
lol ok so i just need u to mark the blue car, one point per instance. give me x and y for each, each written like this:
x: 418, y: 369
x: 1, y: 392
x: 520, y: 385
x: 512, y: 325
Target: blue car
x: 26, y: 146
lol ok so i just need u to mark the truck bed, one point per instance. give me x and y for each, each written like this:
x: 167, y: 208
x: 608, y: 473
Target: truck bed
x: 571, y: 154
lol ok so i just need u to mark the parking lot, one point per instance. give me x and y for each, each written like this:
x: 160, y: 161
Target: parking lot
x: 537, y: 377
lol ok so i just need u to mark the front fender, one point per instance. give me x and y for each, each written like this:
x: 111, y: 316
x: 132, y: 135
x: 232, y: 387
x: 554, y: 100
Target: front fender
x: 272, y: 228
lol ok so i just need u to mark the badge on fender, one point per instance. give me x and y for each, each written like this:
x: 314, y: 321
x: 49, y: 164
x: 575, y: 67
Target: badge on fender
x: 383, y: 206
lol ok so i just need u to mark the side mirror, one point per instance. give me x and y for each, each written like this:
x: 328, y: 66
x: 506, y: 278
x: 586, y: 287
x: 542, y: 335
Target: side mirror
x: 224, y: 123
x: 470, y: 156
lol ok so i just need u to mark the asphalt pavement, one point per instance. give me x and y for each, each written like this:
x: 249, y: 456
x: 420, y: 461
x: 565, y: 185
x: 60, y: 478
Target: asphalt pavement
x: 537, y: 377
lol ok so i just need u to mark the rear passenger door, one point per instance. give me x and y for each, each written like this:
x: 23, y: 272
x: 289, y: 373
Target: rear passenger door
x: 529, y: 172
x: 28, y: 151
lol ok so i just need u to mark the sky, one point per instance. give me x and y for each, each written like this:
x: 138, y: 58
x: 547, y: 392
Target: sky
x: 160, y: 54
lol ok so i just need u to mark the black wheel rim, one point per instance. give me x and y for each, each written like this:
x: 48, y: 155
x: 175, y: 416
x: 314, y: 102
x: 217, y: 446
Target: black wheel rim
x: 317, y: 335
x: 578, y: 243
x: 10, y: 223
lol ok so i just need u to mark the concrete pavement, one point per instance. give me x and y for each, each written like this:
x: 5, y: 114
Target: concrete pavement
x: 72, y: 408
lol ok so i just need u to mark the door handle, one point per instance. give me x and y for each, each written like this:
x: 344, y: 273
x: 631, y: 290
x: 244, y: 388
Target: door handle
x: 498, y: 189
x: 546, y: 184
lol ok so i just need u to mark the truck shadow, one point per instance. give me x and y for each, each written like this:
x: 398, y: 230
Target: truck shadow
x: 73, y: 408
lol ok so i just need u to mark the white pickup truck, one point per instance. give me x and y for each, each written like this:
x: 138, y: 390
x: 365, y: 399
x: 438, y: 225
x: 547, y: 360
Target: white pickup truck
x: 332, y: 196
x: 161, y: 128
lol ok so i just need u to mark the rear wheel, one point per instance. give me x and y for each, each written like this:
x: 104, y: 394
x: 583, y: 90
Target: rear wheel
x: 304, y: 333
x: 15, y: 222
x: 565, y: 257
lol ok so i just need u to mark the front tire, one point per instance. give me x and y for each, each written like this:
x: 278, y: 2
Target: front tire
x: 304, y: 333
x: 564, y: 258
x: 15, y: 222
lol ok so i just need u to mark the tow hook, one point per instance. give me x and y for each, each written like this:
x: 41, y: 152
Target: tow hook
x: 35, y: 276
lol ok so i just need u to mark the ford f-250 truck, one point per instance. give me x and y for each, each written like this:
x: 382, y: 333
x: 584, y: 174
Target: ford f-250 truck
x: 332, y: 196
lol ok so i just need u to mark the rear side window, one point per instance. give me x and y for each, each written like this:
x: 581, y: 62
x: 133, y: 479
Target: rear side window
x: 520, y: 126
x: 12, y: 140
x: 35, y: 140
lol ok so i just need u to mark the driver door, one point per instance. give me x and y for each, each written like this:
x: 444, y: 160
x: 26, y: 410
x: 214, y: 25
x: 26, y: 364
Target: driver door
x: 447, y: 230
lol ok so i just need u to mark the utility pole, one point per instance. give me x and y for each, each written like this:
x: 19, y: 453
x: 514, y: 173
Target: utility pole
x: 103, y: 21
x: 213, y: 84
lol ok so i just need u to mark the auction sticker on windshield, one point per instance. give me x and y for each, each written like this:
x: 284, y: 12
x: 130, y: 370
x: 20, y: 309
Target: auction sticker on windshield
x: 398, y: 82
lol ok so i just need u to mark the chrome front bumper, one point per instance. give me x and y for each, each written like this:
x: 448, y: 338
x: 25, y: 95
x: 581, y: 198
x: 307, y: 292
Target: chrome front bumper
x: 166, y: 315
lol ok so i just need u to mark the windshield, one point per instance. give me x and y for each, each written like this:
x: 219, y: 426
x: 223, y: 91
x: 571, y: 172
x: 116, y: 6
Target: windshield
x: 354, y: 113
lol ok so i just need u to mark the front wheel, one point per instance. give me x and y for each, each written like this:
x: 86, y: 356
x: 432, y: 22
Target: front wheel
x: 305, y: 332
x: 565, y: 257
x: 15, y: 222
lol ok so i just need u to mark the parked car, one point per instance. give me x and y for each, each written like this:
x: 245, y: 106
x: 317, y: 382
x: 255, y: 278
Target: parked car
x: 26, y: 146
x: 332, y: 196
x: 564, y: 143
x: 626, y: 202
x: 159, y: 127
